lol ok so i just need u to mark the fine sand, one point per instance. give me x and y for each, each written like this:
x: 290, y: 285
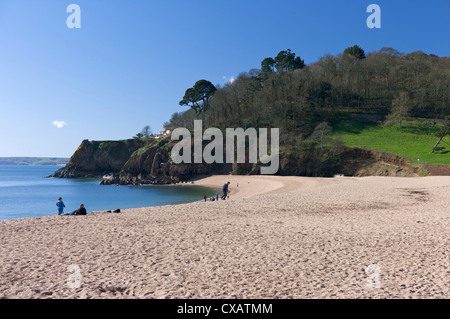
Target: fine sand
x: 276, y: 237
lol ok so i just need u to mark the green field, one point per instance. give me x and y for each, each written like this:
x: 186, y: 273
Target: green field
x: 414, y: 140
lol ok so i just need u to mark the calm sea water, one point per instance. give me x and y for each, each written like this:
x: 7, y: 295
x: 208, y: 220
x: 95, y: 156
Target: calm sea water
x: 26, y: 192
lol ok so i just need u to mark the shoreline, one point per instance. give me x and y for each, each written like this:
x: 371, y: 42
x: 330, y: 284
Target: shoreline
x: 43, y: 211
x: 276, y: 237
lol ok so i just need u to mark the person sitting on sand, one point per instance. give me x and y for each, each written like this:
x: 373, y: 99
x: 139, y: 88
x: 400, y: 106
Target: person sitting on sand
x: 225, y: 190
x: 78, y: 212
x: 60, y: 205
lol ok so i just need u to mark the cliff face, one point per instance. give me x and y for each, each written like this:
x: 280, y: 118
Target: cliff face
x: 152, y: 164
x: 95, y: 159
x: 363, y: 162
x: 133, y: 162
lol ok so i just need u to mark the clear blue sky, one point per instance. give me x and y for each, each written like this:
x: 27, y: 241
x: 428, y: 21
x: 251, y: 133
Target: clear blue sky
x: 131, y: 62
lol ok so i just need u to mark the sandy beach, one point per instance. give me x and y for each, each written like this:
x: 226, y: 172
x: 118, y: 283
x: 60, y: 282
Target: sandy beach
x: 276, y: 237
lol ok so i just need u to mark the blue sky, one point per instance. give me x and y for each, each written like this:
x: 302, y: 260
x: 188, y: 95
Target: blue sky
x: 131, y: 62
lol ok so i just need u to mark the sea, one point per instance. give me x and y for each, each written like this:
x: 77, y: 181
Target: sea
x: 26, y: 191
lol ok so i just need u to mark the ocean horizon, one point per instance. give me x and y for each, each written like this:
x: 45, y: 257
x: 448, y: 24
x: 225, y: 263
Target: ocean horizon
x: 27, y: 191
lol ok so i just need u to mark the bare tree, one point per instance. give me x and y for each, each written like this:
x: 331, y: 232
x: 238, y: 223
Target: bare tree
x: 401, y: 107
x: 146, y: 131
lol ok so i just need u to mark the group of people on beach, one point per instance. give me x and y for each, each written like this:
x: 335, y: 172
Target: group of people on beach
x: 82, y: 210
x: 61, y: 206
x: 225, y: 195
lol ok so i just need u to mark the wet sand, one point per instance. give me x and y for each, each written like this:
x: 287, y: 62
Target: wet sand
x: 276, y: 237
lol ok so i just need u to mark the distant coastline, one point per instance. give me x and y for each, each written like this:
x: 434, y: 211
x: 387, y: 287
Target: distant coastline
x: 39, y: 161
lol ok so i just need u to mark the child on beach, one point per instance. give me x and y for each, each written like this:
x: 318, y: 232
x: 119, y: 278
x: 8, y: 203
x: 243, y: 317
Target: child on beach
x: 60, y: 205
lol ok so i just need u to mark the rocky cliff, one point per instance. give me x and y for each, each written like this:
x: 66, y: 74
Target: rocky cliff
x: 152, y: 164
x: 95, y: 159
x: 134, y: 162
x: 364, y: 162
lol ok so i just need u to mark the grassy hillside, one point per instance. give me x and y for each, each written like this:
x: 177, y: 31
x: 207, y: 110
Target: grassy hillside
x: 413, y: 140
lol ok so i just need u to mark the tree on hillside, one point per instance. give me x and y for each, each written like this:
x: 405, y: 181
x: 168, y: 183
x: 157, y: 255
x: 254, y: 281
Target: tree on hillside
x: 198, y: 97
x: 400, y: 109
x: 355, y: 51
x: 286, y: 60
x: 138, y: 136
x: 191, y: 98
x: 443, y: 132
x: 267, y: 66
x: 323, y: 92
x: 146, y: 132
x: 181, y: 119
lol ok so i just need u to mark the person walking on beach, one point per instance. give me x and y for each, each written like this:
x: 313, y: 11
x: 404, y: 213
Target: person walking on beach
x: 225, y: 190
x: 217, y: 196
x: 60, y: 205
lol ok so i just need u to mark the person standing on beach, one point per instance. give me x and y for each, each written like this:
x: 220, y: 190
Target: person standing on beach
x: 225, y: 190
x: 60, y: 205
